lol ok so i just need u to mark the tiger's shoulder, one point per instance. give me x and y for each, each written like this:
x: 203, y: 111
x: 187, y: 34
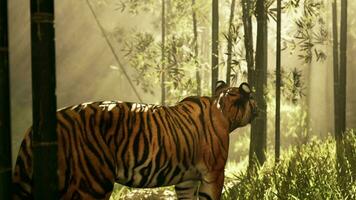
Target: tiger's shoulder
x: 197, y: 100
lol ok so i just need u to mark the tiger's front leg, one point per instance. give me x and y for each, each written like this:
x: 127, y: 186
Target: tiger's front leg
x: 211, y: 185
x: 187, y: 190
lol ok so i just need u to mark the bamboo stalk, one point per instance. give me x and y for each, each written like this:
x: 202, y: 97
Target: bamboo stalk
x: 215, y: 45
x: 248, y: 40
x: 229, y: 43
x: 5, y: 126
x: 343, y: 65
x: 196, y: 49
x: 336, y: 71
x: 258, y: 143
x: 163, y: 38
x: 278, y: 85
x: 44, y: 138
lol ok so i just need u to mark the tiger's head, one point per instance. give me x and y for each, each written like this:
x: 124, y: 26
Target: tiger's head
x: 236, y: 104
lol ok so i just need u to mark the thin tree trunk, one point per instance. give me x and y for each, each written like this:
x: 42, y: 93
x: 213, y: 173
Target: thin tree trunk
x: 196, y: 50
x: 336, y: 71
x: 310, y: 78
x: 278, y: 85
x: 340, y: 149
x: 44, y: 138
x: 5, y: 126
x: 249, y: 49
x: 215, y: 45
x: 343, y: 65
x: 172, y: 60
x: 205, y: 55
x: 248, y: 39
x: 259, y: 125
x: 163, y: 72
x: 229, y: 43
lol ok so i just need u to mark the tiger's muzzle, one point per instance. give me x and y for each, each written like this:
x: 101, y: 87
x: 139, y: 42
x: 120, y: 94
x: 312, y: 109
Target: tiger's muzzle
x: 254, y: 108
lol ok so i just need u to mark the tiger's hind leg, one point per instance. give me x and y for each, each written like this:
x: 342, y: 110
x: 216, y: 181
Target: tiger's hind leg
x: 187, y: 190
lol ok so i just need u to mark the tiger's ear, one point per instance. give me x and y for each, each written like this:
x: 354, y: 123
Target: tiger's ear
x: 219, y: 87
x: 245, y: 89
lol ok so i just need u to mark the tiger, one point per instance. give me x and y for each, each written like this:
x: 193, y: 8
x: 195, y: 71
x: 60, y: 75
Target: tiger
x: 143, y: 145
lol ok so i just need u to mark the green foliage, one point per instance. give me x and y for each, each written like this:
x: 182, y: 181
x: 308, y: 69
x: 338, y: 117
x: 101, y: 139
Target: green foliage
x: 143, y: 50
x: 311, y: 34
x: 294, y: 126
x: 144, y: 56
x: 238, y: 61
x: 350, y: 151
x: 347, y: 163
x: 305, y: 172
x: 292, y: 86
x: 307, y: 39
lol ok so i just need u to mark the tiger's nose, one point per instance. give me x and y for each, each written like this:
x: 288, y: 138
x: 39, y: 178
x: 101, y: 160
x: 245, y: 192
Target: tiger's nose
x: 254, y: 110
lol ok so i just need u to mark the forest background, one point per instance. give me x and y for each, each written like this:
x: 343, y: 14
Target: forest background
x: 92, y: 36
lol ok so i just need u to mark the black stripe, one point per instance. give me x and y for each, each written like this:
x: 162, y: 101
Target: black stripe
x: 148, y: 125
x: 63, y: 126
x: 173, y: 132
x: 155, y: 121
x: 158, y: 158
x: 188, y: 116
x: 20, y: 192
x: 71, y: 131
x: 144, y: 173
x: 85, y: 187
x: 139, y: 135
x: 90, y: 144
x: 186, y: 129
x: 65, y: 151
x: 176, y: 172
x: 179, y: 188
x: 102, y: 123
x: 216, y: 132
x: 23, y: 154
x: 204, y: 195
x: 125, y: 141
x: 119, y: 124
x: 105, y: 183
x: 161, y: 178
x: 24, y: 176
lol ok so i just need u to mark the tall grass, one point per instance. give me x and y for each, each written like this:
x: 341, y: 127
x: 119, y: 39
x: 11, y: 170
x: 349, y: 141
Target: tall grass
x: 306, y: 172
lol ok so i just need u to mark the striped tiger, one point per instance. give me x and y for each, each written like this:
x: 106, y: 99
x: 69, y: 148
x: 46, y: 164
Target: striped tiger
x: 143, y: 146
